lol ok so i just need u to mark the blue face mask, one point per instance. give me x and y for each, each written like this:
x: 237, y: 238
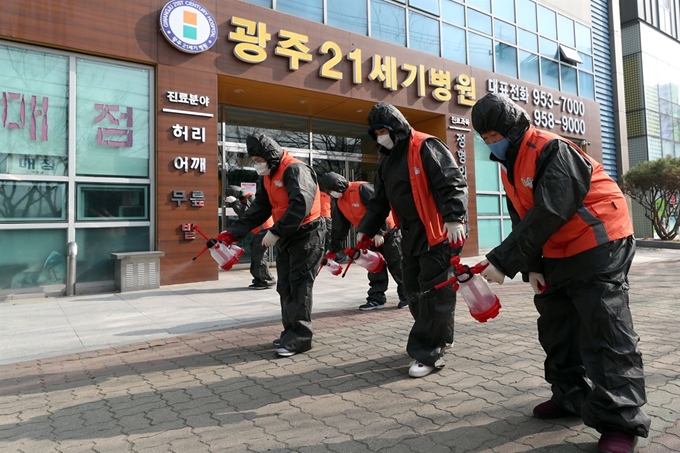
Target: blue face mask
x: 500, y: 149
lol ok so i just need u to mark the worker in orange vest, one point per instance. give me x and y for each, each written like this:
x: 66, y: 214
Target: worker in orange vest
x: 419, y: 181
x: 289, y: 193
x: 572, y: 239
x: 239, y: 200
x: 327, y: 215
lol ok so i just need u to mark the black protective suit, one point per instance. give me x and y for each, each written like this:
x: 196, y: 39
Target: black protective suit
x: 390, y: 249
x: 300, y: 247
x: 585, y: 326
x: 259, y: 257
x: 423, y: 266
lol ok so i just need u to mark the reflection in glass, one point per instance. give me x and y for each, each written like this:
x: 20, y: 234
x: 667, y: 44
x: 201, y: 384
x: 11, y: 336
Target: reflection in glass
x: 431, y: 6
x: 264, y: 3
x: 453, y: 12
x: 550, y: 73
x: 506, y: 60
x: 423, y: 33
x: 587, y: 64
x: 288, y: 131
x: 654, y: 148
x: 350, y: 15
x: 666, y: 127
x: 304, y: 9
x: 388, y: 22
x: 583, y: 39
x: 339, y: 137
x: 548, y: 48
x: 32, y: 201
x: 34, y: 109
x: 667, y: 148
x: 478, y: 21
x: 527, y: 14
x: 528, y: 67
x: 505, y: 9
x: 108, y: 202
x: 484, y: 5
x: 565, y: 27
x: 95, y: 246
x: 481, y: 51
x: 586, y: 85
x: 486, y: 170
x: 489, y: 233
x: 453, y: 43
x: 504, y: 31
x: 569, y: 79
x: 488, y: 205
x: 527, y: 40
x: 32, y: 258
x: 547, y: 22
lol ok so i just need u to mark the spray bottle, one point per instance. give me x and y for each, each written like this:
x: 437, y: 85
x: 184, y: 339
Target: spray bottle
x: 368, y: 259
x: 333, y: 266
x: 481, y: 301
x: 226, y: 254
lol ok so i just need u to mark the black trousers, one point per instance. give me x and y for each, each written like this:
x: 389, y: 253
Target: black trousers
x: 297, y: 264
x: 585, y: 326
x: 379, y: 281
x: 259, y: 267
x: 433, y: 313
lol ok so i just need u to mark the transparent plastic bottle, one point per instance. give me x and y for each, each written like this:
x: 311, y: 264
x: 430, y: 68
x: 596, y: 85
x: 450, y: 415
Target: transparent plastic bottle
x: 332, y: 266
x: 226, y: 255
x: 368, y: 259
x: 481, y: 301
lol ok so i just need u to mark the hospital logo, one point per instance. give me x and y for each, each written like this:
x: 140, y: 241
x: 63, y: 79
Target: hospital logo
x: 188, y: 26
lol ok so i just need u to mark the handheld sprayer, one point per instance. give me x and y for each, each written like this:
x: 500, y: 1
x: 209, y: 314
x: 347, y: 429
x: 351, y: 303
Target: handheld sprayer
x: 481, y: 301
x: 222, y: 249
x: 368, y: 259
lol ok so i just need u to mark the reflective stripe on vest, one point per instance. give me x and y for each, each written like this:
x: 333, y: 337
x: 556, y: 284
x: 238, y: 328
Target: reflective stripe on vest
x: 602, y: 218
x: 427, y: 208
x: 278, y: 197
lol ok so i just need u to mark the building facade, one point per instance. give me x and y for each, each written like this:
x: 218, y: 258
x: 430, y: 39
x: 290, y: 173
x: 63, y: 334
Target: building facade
x: 121, y: 126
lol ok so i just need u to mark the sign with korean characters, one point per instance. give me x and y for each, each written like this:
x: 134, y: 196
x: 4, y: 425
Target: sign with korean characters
x: 557, y: 113
x: 251, y: 39
x: 188, y: 26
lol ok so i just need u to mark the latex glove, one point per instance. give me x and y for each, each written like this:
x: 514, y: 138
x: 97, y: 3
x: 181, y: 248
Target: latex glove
x: 230, y: 199
x: 537, y: 282
x: 455, y: 232
x: 269, y: 239
x: 226, y: 237
x: 491, y: 273
x: 378, y: 240
x: 331, y: 256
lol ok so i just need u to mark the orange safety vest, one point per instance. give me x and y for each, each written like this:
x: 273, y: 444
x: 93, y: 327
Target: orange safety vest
x: 325, y: 204
x: 427, y: 208
x: 278, y: 197
x: 266, y: 225
x: 602, y: 218
x: 352, y: 208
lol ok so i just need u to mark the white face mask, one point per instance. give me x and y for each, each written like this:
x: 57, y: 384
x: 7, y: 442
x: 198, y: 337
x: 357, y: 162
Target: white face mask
x: 335, y: 194
x: 385, y: 140
x: 262, y: 168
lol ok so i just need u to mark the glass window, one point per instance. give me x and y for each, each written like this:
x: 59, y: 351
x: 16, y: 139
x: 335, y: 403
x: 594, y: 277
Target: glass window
x: 528, y: 67
x: 488, y: 205
x: 667, y: 148
x: 33, y: 84
x: 478, y: 21
x: 486, y: 170
x: 423, y: 33
x: 583, y: 40
x: 569, y: 79
x: 504, y: 9
x: 666, y: 127
x: 32, y: 201
x: 489, y: 232
x: 304, y: 9
x: 527, y: 16
x: 288, y: 131
x: 484, y: 5
x: 547, y: 22
x: 32, y: 258
x: 504, y: 204
x: 108, y: 202
x: 527, y: 40
x: 507, y: 227
x: 112, y: 120
x: 388, y: 22
x: 95, y: 246
x: 453, y: 12
x: 453, y: 40
x: 548, y: 48
x: 565, y: 28
x: 339, y: 137
x: 550, y: 73
x: 350, y: 15
x: 431, y: 6
x: 264, y: 3
x: 504, y: 31
x: 586, y: 85
x: 587, y: 64
x: 481, y: 51
x: 506, y: 60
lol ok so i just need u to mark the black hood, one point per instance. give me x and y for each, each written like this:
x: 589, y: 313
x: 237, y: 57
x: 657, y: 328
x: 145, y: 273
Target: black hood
x: 332, y: 181
x: 235, y: 191
x: 499, y: 113
x: 260, y: 145
x: 387, y: 116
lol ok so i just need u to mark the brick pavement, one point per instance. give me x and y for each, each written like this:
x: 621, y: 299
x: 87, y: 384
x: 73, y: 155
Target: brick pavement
x: 225, y: 391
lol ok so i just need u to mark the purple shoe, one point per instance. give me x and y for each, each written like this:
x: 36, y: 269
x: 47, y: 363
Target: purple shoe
x: 615, y: 441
